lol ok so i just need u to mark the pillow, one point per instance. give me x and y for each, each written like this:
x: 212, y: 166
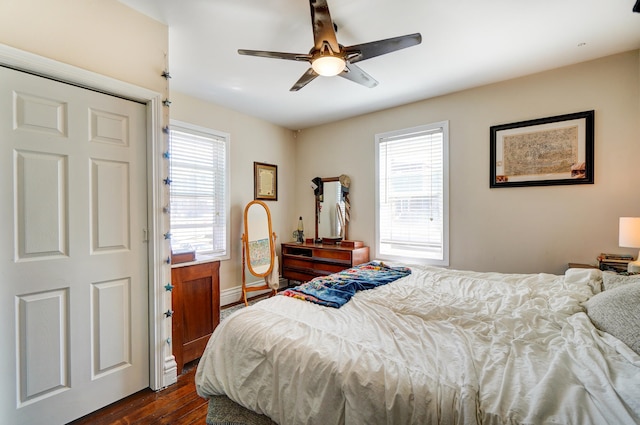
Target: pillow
x: 617, y: 312
x: 613, y: 280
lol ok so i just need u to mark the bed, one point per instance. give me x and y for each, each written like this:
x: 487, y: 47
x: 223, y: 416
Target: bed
x: 438, y: 346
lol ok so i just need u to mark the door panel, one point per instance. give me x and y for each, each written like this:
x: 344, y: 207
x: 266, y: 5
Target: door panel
x: 40, y: 114
x: 111, y: 326
x: 43, y: 351
x: 110, y: 206
x: 41, y: 179
x: 73, y: 260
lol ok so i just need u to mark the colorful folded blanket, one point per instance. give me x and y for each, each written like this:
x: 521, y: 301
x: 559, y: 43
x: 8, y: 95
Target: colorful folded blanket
x: 336, y: 289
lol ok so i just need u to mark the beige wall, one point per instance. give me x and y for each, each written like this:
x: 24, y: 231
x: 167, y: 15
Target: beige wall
x: 252, y: 140
x: 514, y: 229
x: 528, y: 229
x: 103, y: 36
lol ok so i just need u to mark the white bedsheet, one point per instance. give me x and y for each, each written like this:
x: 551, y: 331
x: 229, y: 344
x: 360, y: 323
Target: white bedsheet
x: 436, y: 347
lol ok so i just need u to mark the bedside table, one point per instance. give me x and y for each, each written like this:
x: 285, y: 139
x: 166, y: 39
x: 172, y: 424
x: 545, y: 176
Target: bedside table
x: 581, y: 266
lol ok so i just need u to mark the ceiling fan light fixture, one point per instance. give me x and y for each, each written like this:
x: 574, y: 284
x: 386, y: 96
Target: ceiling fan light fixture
x: 328, y: 66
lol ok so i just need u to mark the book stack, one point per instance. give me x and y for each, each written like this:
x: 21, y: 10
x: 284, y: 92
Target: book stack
x: 614, y: 262
x: 183, y: 256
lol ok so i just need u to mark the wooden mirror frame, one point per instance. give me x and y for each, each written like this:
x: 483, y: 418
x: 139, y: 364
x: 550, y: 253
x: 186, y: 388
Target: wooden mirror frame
x: 345, y: 199
x: 246, y: 257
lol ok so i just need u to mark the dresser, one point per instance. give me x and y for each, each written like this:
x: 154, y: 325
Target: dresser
x: 195, y: 303
x: 304, y: 261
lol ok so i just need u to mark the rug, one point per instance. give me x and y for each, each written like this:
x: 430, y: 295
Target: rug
x: 226, y: 311
x: 223, y: 411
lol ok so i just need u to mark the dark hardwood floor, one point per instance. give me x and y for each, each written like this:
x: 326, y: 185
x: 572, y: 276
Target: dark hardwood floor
x: 177, y: 404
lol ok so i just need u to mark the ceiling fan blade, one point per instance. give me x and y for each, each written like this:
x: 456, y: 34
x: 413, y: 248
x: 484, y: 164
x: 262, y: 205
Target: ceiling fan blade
x: 357, y: 75
x: 323, y: 29
x: 276, y: 55
x: 306, y: 78
x: 360, y: 52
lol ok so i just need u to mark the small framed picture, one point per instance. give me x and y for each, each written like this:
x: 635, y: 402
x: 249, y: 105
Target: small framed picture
x: 543, y: 152
x: 265, y: 181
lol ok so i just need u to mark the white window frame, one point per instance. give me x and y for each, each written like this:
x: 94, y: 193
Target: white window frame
x: 226, y: 138
x: 383, y: 137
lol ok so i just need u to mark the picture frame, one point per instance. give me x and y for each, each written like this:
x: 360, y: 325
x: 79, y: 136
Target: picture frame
x: 556, y: 150
x: 265, y: 181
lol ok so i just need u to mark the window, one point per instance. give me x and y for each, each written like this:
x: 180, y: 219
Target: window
x: 412, y: 194
x: 199, y: 190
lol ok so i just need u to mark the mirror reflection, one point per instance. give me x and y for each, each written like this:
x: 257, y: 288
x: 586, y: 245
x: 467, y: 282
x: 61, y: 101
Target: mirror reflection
x: 330, y: 214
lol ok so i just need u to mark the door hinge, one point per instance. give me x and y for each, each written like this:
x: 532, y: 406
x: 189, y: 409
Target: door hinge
x: 145, y: 235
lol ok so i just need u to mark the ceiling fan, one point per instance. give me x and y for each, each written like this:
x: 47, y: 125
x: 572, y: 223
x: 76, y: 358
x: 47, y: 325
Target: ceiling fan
x: 329, y: 58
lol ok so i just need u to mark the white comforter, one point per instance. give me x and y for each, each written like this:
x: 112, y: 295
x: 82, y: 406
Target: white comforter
x: 437, y: 347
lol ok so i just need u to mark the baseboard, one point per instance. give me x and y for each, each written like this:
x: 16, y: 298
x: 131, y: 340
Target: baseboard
x: 170, y: 371
x: 233, y: 295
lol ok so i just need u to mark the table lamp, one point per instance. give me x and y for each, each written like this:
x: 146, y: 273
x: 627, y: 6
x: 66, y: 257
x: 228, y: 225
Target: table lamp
x: 630, y: 238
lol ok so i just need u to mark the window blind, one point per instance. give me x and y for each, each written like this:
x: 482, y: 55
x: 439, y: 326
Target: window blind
x: 411, y: 194
x: 198, y: 191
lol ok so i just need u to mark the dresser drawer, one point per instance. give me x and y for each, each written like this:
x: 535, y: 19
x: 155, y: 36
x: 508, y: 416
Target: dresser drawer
x: 303, y: 262
x: 331, y: 254
x: 297, y: 275
x: 330, y: 267
x: 297, y: 263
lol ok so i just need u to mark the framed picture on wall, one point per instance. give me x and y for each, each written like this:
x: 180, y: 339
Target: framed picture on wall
x: 548, y: 151
x: 265, y: 181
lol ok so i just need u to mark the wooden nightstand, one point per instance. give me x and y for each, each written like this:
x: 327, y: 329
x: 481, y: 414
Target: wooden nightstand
x: 581, y: 266
x: 196, y: 309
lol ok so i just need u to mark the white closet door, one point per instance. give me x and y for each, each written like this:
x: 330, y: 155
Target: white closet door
x: 73, y: 260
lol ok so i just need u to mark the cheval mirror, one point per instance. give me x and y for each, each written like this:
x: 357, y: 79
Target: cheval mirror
x: 259, y: 249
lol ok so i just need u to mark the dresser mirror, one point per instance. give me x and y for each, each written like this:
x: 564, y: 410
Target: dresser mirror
x: 332, y: 207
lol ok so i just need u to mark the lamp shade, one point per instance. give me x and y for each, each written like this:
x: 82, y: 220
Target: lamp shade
x: 629, y: 236
x: 328, y: 66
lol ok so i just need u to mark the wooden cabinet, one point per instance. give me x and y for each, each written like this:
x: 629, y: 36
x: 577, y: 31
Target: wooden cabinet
x: 303, y: 262
x: 196, y: 309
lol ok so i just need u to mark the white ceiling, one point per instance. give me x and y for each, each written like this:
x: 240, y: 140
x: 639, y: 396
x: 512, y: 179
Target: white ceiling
x: 465, y: 43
